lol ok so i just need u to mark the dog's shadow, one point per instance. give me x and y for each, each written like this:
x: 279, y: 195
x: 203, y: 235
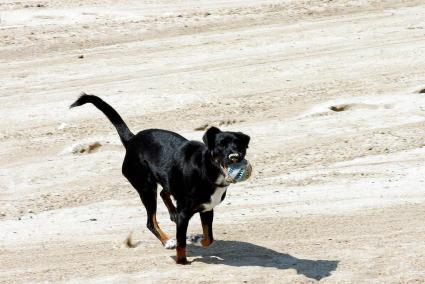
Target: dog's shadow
x: 235, y: 253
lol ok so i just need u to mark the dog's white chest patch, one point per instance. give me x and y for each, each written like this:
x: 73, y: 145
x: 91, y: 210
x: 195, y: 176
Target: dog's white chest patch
x: 215, y: 198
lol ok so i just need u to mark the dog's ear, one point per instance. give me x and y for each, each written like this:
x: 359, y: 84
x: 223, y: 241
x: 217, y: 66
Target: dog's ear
x: 244, y: 138
x: 209, y: 137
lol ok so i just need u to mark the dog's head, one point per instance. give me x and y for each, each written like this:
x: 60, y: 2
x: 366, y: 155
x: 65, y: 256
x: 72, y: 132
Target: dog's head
x: 226, y: 147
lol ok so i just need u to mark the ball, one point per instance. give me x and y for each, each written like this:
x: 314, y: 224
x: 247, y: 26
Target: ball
x: 239, y: 172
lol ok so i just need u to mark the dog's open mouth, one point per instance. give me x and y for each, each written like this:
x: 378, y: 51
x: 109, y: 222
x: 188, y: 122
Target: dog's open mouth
x: 231, y: 159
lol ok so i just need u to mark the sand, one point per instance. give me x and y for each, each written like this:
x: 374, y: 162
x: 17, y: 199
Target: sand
x: 329, y: 92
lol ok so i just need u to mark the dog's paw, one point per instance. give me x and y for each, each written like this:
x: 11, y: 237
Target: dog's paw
x: 183, y: 261
x: 170, y: 244
x: 195, y: 240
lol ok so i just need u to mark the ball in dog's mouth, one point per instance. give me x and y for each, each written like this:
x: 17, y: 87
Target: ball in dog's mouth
x: 238, y: 172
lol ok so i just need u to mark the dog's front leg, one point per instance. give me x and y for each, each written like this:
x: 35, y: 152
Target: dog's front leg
x: 207, y: 221
x: 182, y: 223
x: 206, y: 238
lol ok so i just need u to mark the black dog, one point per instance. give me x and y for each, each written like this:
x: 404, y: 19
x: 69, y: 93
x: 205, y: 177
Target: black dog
x: 193, y: 173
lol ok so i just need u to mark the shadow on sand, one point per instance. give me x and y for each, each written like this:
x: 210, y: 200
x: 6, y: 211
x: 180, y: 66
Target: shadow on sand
x: 235, y: 253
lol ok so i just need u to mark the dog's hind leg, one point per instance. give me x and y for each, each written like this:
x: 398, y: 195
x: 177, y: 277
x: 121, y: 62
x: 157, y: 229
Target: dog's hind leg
x: 165, y: 195
x: 141, y: 179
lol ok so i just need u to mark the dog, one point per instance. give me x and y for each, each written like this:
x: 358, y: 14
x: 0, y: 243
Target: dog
x: 191, y: 172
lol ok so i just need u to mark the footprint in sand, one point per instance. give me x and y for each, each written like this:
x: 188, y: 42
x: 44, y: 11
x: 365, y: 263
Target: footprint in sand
x: 85, y: 148
x: 356, y: 106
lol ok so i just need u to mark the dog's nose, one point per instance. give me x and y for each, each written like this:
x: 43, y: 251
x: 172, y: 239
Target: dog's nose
x: 234, y: 157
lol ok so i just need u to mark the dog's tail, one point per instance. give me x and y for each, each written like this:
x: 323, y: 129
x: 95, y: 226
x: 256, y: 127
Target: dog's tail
x: 113, y: 116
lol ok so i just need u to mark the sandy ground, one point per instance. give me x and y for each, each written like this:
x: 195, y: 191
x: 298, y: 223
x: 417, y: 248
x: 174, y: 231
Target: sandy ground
x: 328, y: 90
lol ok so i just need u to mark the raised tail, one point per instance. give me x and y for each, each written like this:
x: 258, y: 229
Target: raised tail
x: 113, y: 116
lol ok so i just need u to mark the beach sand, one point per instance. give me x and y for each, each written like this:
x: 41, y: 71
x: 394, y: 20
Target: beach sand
x: 329, y: 91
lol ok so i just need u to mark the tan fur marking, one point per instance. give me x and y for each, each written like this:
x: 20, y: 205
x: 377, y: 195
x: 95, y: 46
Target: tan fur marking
x: 206, y: 241
x: 164, y: 237
x: 181, y: 255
